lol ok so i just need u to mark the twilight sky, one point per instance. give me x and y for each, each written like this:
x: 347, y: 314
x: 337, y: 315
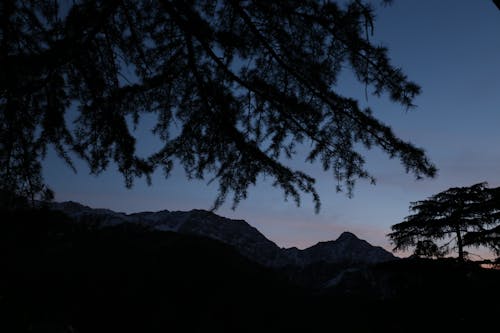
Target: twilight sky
x: 449, y: 47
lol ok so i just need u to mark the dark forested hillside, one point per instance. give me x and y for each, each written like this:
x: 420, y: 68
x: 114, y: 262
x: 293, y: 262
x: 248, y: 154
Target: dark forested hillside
x: 63, y: 276
x: 68, y: 277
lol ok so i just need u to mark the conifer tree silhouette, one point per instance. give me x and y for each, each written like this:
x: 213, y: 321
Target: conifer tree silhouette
x: 460, y: 216
x: 245, y: 82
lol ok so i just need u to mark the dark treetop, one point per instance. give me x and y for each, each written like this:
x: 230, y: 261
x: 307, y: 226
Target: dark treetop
x: 235, y: 86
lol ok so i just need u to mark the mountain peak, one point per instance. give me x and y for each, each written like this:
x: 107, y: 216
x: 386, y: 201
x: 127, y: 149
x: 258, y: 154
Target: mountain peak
x: 346, y: 235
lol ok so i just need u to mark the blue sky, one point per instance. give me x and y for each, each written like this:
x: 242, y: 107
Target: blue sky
x: 449, y: 47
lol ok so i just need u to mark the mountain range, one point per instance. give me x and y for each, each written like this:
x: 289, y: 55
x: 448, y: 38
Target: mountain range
x: 347, y: 249
x: 164, y: 272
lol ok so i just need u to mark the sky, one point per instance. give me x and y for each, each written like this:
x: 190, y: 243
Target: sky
x: 451, y: 48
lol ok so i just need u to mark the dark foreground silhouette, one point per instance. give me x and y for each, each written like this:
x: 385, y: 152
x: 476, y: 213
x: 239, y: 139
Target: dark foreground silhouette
x: 58, y: 276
